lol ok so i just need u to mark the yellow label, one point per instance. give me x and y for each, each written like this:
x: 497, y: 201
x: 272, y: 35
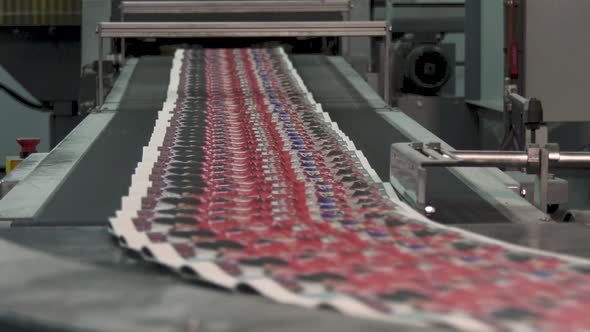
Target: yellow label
x: 11, y: 164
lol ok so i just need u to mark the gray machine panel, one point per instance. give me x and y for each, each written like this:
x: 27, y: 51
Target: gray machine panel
x: 557, y: 49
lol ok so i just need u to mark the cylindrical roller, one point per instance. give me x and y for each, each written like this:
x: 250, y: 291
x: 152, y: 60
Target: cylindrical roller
x: 492, y: 158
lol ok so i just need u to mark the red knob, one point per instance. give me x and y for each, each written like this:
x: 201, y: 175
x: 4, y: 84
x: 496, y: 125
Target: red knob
x: 27, y: 146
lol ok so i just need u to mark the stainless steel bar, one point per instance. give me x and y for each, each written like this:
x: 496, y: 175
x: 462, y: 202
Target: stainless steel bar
x: 567, y: 160
x: 542, y: 181
x: 574, y: 160
x: 491, y: 158
x: 347, y: 41
x: 205, y: 7
x: 241, y: 29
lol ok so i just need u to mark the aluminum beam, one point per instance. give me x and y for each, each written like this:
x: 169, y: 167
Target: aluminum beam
x: 240, y: 29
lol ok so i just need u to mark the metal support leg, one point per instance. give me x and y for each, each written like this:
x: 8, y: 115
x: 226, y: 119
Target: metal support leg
x: 122, y: 51
x: 542, y: 180
x: 122, y: 43
x: 542, y: 135
x: 387, y: 67
x: 100, y: 73
x: 349, y: 41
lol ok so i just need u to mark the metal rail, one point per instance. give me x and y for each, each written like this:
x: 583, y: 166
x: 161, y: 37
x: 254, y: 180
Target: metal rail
x: 240, y: 29
x: 561, y: 160
x: 378, y: 29
x: 218, y: 7
x: 432, y: 155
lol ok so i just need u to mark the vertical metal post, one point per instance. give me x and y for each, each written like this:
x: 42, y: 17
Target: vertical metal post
x: 542, y: 135
x: 542, y: 180
x: 122, y: 39
x: 387, y: 66
x: 360, y: 49
x: 100, y: 71
x: 389, y: 8
x: 348, y: 40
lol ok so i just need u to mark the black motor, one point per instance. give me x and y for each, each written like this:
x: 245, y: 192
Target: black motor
x: 421, y: 66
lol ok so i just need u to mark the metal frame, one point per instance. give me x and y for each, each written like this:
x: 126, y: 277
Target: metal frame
x: 231, y: 7
x: 245, y: 30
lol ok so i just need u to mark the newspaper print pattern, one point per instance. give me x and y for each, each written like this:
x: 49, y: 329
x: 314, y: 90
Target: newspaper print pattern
x: 246, y: 182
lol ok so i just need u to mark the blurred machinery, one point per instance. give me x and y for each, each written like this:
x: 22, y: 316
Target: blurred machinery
x: 41, y: 63
x: 446, y: 85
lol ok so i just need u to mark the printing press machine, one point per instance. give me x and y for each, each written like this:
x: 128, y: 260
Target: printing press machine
x: 61, y: 270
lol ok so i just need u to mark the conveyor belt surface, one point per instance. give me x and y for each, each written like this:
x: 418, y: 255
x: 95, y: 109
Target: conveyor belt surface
x: 93, y: 190
x: 563, y: 238
x: 73, y: 261
x: 70, y: 279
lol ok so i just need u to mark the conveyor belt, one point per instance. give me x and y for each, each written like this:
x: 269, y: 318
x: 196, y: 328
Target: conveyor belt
x: 70, y: 279
x: 49, y: 253
x: 114, y: 154
x: 94, y: 188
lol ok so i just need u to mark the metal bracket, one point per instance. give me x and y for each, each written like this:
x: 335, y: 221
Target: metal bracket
x: 410, y: 163
x: 377, y: 29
